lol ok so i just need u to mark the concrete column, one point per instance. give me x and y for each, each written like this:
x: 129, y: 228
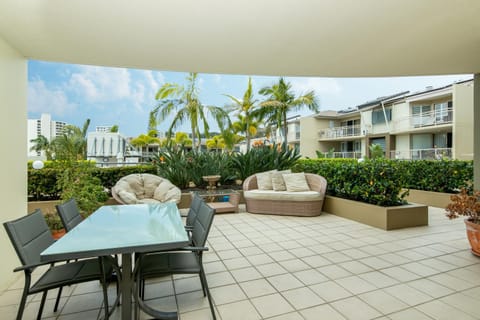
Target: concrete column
x: 476, y: 131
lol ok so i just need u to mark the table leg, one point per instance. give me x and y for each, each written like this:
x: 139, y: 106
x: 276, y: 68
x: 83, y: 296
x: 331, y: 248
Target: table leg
x: 126, y: 286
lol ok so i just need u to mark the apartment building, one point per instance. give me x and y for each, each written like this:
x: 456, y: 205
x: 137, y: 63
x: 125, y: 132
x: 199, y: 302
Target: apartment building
x: 436, y: 123
x: 46, y: 127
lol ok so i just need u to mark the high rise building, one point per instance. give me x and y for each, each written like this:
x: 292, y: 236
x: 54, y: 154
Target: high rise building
x: 45, y: 127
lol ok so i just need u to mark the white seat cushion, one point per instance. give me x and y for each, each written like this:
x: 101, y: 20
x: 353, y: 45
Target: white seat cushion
x: 283, y: 195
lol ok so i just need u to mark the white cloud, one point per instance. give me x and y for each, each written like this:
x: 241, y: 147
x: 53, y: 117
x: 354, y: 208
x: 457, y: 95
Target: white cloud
x: 319, y: 85
x: 48, y: 100
x: 100, y: 84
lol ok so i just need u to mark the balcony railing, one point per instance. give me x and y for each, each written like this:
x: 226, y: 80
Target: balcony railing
x: 346, y: 154
x: 422, y: 154
x: 425, y: 119
x: 340, y: 132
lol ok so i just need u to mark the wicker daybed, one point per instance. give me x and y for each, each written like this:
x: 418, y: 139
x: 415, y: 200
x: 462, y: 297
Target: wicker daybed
x: 304, y: 203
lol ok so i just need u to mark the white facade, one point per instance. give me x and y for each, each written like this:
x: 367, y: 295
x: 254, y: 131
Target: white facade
x: 110, y: 148
x: 45, y: 127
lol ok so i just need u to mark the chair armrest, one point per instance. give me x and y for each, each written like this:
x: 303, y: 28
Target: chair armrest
x: 31, y: 266
x: 194, y: 249
x: 250, y: 183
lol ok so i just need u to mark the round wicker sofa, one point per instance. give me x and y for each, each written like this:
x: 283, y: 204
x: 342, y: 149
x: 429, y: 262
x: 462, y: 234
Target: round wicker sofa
x: 283, y: 202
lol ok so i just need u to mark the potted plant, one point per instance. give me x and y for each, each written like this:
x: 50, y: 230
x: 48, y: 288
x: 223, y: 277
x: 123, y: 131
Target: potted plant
x: 55, y: 224
x: 468, y: 205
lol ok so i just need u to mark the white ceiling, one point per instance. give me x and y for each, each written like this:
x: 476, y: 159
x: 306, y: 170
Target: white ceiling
x: 334, y: 38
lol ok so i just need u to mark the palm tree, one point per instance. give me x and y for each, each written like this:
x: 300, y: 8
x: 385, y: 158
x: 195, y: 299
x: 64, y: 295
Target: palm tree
x: 72, y: 143
x: 281, y: 100
x: 246, y: 112
x: 41, y: 143
x: 185, y: 101
x: 144, y: 140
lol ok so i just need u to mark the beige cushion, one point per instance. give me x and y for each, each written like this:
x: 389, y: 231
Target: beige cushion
x: 278, y: 183
x: 296, y: 182
x: 167, y: 192
x: 282, y: 195
x: 135, y: 183
x: 127, y: 197
x: 150, y: 183
x: 264, y: 180
x: 173, y: 195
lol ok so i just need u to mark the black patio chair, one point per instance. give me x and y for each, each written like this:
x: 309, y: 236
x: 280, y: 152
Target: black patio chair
x: 69, y: 214
x: 193, y: 212
x: 187, y: 260
x: 30, y: 236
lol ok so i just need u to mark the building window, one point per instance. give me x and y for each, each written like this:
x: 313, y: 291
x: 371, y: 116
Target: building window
x: 379, y: 117
x: 443, y: 112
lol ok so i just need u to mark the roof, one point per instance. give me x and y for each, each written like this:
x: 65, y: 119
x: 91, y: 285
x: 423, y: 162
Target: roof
x: 384, y: 99
x: 326, y: 38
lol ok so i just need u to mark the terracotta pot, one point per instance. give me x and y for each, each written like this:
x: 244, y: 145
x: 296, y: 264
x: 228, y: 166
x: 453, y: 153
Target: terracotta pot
x: 473, y: 234
x: 57, y: 234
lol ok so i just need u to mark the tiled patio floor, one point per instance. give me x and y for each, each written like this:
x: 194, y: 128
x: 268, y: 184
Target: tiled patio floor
x: 273, y: 267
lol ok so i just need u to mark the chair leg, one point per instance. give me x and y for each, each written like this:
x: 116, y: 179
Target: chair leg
x: 203, y: 282
x: 42, y: 304
x: 209, y: 296
x: 23, y: 301
x: 58, y: 299
x: 104, y: 286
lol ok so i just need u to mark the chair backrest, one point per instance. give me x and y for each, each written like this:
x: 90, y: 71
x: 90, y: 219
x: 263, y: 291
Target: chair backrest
x: 69, y: 214
x: 29, y: 235
x: 194, y: 209
x: 202, y: 224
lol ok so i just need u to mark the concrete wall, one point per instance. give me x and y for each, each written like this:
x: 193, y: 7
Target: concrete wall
x: 13, y: 169
x: 476, y: 131
x: 309, y: 128
x: 463, y: 121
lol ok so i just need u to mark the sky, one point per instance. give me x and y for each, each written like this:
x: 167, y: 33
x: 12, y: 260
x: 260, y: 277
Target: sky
x: 118, y: 96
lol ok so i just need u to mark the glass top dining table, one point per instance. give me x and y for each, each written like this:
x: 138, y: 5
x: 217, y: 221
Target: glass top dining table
x: 122, y: 229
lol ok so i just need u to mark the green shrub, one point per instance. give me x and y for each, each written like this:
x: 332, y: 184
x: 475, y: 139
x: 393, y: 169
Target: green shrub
x: 76, y: 181
x: 380, y: 181
x: 448, y: 176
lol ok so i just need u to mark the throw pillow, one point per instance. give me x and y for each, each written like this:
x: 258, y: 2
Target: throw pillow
x: 296, y: 182
x: 277, y: 180
x: 264, y: 180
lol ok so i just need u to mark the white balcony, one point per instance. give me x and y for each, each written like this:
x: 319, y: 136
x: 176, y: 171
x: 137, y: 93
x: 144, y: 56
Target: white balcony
x: 422, y: 154
x: 425, y: 119
x: 340, y: 132
x: 344, y: 154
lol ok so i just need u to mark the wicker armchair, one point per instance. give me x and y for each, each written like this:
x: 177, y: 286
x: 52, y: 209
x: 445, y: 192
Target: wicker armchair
x: 309, y: 203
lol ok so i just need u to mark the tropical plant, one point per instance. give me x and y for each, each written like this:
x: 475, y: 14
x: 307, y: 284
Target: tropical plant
x: 182, y: 139
x: 41, y: 143
x: 376, y: 151
x: 182, y: 166
x: 246, y: 111
x: 263, y: 158
x: 185, y: 102
x: 77, y: 181
x: 72, y: 143
x: 144, y: 140
x: 114, y: 128
x: 216, y: 143
x: 280, y: 100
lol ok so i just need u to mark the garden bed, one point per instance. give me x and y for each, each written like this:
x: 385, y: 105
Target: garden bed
x: 387, y: 218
